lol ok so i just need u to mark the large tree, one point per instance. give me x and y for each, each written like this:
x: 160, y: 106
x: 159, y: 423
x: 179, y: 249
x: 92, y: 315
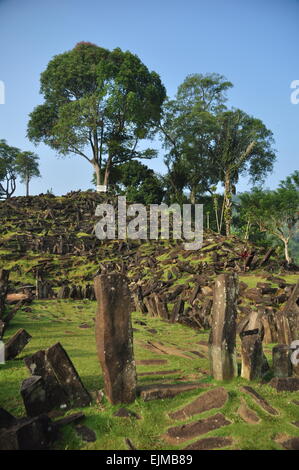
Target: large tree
x: 188, y: 128
x: 27, y: 167
x: 242, y: 145
x: 98, y: 104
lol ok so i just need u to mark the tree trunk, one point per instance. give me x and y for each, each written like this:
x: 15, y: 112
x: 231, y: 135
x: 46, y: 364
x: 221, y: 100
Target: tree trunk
x: 97, y: 170
x: 286, y: 250
x: 192, y: 195
x: 107, y: 171
x: 227, y: 203
x: 215, y: 205
x: 27, y: 186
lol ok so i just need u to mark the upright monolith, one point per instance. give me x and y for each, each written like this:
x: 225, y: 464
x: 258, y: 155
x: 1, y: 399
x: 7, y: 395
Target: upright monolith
x: 251, y: 333
x: 282, y: 366
x: 288, y: 318
x: 114, y: 337
x: 222, y: 342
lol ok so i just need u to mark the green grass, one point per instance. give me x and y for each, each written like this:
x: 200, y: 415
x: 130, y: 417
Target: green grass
x: 59, y: 320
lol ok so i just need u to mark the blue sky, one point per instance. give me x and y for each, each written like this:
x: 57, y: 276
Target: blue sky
x: 253, y: 43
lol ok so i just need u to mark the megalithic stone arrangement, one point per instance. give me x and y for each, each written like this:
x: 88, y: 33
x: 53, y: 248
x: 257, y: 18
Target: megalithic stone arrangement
x: 222, y: 341
x: 114, y: 337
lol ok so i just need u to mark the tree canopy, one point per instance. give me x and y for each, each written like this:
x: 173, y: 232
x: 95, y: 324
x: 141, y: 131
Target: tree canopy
x: 98, y: 104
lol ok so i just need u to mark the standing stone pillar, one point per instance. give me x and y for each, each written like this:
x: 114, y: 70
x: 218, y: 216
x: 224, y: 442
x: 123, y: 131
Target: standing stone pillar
x: 253, y: 359
x: 282, y: 366
x: 288, y: 318
x: 222, y: 342
x: 114, y: 337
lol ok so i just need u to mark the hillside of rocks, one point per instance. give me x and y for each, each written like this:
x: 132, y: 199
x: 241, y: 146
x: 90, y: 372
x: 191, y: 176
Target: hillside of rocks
x: 48, y: 245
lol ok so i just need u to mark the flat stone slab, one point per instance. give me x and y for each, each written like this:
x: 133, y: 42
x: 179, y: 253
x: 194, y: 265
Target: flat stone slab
x: 6, y: 419
x: 73, y: 418
x: 85, y: 433
x: 155, y: 392
x: 209, y: 443
x: 248, y: 415
x: 182, y: 433
x: 125, y: 413
x: 159, y: 372
x: 161, y: 348
x: 285, y: 384
x: 291, y: 444
x: 16, y: 344
x: 151, y: 362
x: 197, y: 353
x: 215, y: 398
x: 260, y: 400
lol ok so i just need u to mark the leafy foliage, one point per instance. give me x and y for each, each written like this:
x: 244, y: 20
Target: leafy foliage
x: 97, y: 104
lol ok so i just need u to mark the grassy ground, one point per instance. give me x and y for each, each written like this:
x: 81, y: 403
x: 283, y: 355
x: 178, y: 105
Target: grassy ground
x: 59, y: 320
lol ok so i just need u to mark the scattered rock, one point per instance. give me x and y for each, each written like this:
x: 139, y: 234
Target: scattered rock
x: 260, y: 400
x: 84, y: 325
x: 6, y: 419
x: 291, y: 444
x: 125, y: 413
x: 182, y: 433
x: 149, y: 362
x: 34, y: 394
x: 129, y: 444
x: 159, y: 372
x: 85, y: 433
x: 215, y: 398
x: 29, y: 434
x: 209, y: 443
x: 155, y: 392
x: 73, y: 418
x: 248, y: 415
x: 63, y: 383
x: 285, y: 384
x: 16, y: 344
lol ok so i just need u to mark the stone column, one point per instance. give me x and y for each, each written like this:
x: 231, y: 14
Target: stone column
x: 251, y: 335
x: 282, y: 366
x: 288, y: 319
x: 222, y: 342
x: 114, y: 337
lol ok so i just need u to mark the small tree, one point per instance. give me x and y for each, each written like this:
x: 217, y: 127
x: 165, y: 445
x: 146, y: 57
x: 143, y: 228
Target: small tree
x: 8, y: 171
x: 243, y: 145
x: 274, y: 212
x: 27, y: 167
